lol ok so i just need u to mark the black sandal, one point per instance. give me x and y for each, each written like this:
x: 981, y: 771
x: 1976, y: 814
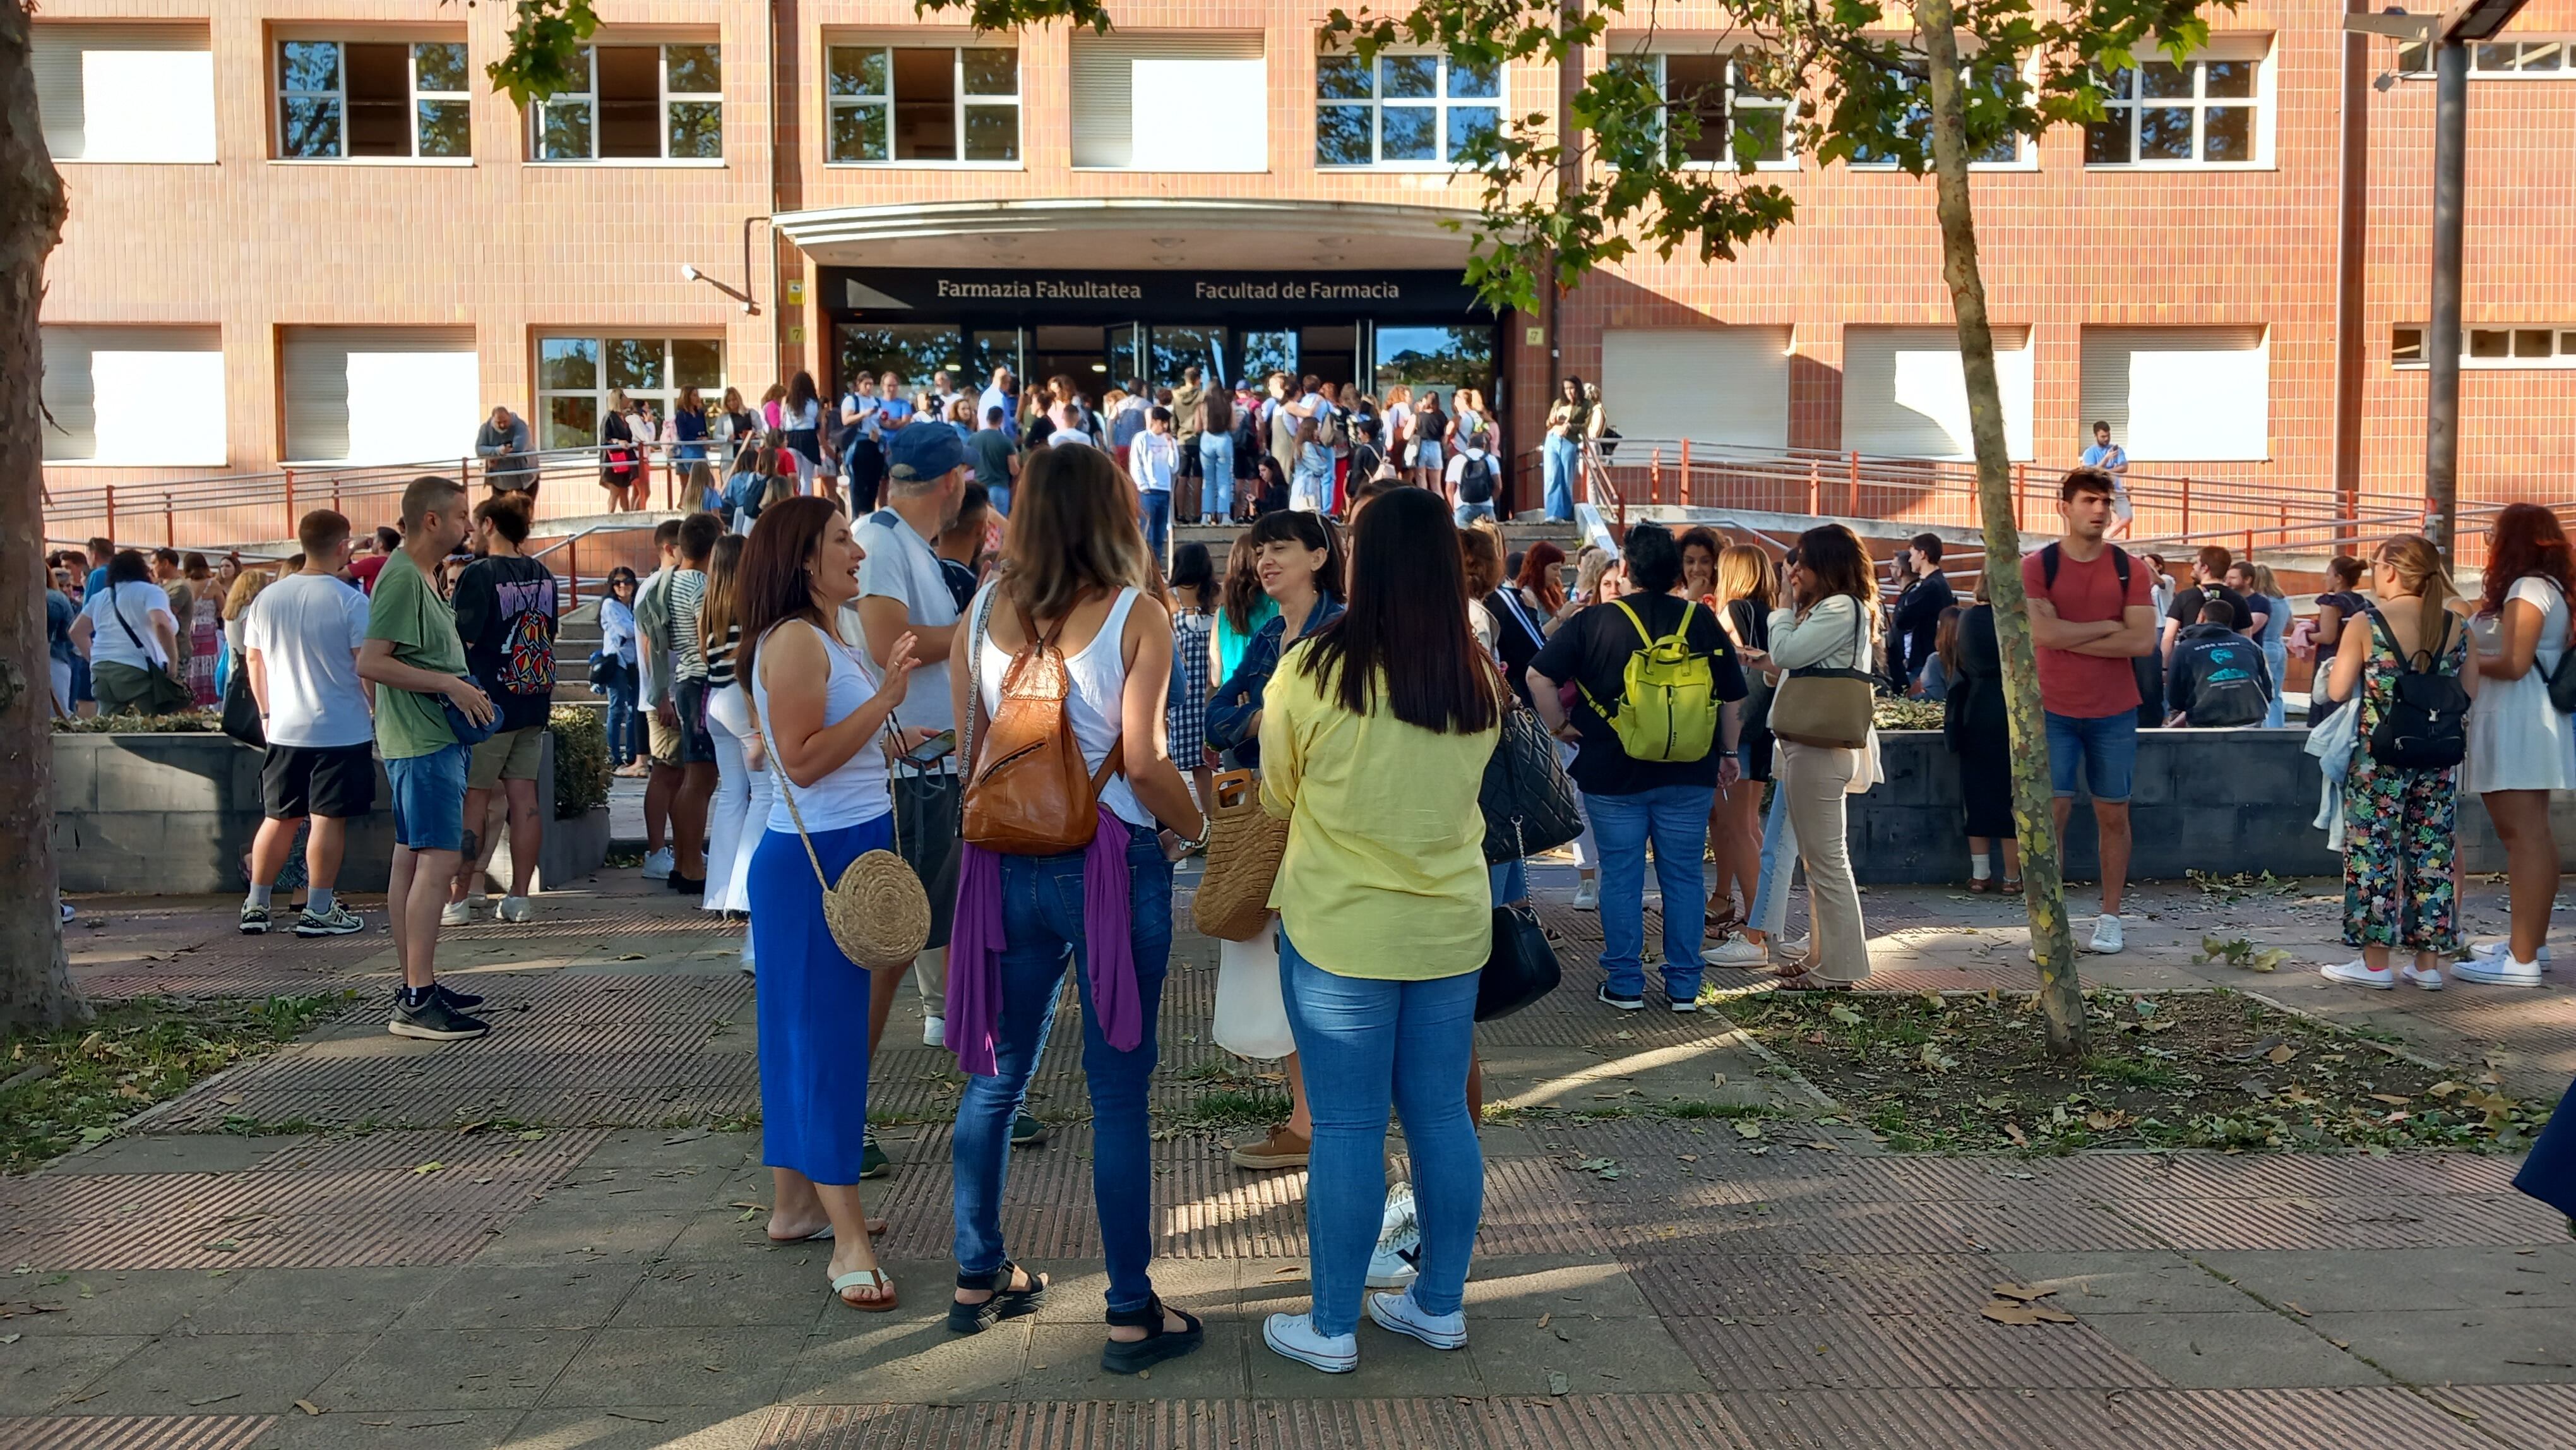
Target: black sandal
x: 1159, y: 1343
x: 1006, y: 1303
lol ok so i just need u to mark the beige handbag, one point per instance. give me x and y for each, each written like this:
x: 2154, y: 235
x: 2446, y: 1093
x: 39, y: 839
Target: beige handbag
x: 1824, y: 706
x: 878, y: 913
x: 1245, y: 843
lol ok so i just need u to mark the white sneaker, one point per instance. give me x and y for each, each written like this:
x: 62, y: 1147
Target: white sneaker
x: 1399, y: 1209
x: 1587, y: 893
x: 2428, y: 978
x: 2359, y: 974
x: 1294, y: 1336
x: 2499, y: 948
x: 2106, y: 935
x: 456, y: 913
x: 1735, y: 951
x: 657, y: 865
x: 513, y: 908
x: 2498, y: 969
x: 1399, y: 1313
x: 1399, y: 1242
x: 934, y: 1030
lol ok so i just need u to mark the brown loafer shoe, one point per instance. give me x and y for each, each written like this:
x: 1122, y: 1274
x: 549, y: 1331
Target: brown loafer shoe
x: 1282, y: 1149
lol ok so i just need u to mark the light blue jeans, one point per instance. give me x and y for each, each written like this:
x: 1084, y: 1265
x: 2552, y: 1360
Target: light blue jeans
x: 1674, y: 818
x: 1468, y: 513
x: 2276, y: 653
x: 1769, y: 913
x: 1563, y: 462
x: 1216, y: 489
x: 1365, y: 1046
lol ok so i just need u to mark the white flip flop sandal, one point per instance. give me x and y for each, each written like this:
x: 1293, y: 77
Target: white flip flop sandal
x: 871, y: 1279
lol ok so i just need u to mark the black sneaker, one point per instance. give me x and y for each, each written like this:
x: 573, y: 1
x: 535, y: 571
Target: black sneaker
x: 1027, y: 1131
x: 873, y: 1162
x: 461, y: 1001
x: 434, y: 1020
x: 1624, y: 1004
x: 688, y: 885
x: 254, y: 920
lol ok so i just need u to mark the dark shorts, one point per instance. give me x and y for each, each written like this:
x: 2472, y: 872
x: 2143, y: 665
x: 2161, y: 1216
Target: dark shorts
x: 337, y: 782
x: 697, y: 747
x: 926, y: 815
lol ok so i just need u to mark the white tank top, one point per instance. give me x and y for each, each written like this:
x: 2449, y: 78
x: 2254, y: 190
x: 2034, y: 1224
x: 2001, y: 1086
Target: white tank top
x: 857, y: 792
x: 1096, y: 680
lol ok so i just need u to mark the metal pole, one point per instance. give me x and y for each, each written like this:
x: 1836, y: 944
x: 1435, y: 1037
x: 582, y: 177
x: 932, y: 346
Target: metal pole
x: 2442, y: 332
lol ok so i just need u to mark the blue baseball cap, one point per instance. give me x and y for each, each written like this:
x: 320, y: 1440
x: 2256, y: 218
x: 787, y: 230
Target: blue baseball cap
x: 922, y: 451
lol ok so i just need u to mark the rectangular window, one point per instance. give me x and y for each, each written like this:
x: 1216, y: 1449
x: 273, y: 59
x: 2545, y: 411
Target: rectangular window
x: 896, y: 103
x: 2517, y: 345
x: 579, y: 378
x: 338, y: 99
x: 125, y: 92
x: 1407, y: 110
x: 642, y: 103
x: 2551, y: 59
x: 361, y: 395
x: 1715, y: 114
x: 1171, y: 103
x: 2012, y: 150
x: 140, y: 396
x: 2180, y: 394
x: 2206, y: 111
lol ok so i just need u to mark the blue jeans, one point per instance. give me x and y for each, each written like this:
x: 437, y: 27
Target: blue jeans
x: 1042, y: 920
x: 1216, y: 489
x: 1158, y: 521
x: 1563, y: 462
x: 2276, y: 654
x: 999, y: 494
x: 1367, y: 1045
x: 1470, y: 512
x: 625, y: 726
x: 2102, y: 751
x: 429, y: 799
x: 1675, y: 819
x: 1769, y: 911
x: 1507, y: 881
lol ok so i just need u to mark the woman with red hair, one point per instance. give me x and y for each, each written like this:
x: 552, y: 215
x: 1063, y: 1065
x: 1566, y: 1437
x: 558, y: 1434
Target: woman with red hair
x: 2520, y: 747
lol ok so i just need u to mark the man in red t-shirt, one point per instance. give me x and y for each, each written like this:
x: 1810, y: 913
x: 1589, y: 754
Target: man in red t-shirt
x: 2090, y: 625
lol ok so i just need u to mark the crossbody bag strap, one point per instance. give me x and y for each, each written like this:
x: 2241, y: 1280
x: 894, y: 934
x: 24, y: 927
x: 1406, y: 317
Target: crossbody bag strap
x: 974, y: 683
x: 116, y: 606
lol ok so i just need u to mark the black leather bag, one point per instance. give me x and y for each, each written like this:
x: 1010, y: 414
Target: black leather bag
x: 241, y: 707
x: 1528, y: 802
x: 1522, y: 967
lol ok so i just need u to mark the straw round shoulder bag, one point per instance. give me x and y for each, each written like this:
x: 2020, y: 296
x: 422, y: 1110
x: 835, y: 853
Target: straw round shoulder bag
x: 878, y: 913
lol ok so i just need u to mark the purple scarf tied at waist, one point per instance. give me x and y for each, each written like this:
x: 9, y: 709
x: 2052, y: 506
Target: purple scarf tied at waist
x: 977, y: 940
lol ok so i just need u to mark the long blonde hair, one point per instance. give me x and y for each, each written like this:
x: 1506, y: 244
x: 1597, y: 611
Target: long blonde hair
x: 724, y: 572
x: 246, y: 587
x: 1745, y: 572
x: 2263, y: 581
x: 2418, y: 566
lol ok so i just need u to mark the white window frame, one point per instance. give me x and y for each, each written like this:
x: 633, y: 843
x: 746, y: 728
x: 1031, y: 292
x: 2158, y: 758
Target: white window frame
x: 415, y: 95
x: 2025, y: 155
x: 1736, y: 100
x: 541, y: 416
x: 665, y: 98
x: 2562, y: 336
x: 1441, y: 103
x: 833, y: 105
x: 2416, y: 61
x: 2256, y: 52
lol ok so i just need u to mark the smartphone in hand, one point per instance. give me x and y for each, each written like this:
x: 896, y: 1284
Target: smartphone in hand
x: 931, y: 751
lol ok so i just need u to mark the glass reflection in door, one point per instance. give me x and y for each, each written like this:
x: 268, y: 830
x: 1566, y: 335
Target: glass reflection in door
x: 1437, y: 357
x: 1175, y: 348
x: 1265, y: 353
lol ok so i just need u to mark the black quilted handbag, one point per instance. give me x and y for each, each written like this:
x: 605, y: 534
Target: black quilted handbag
x: 1528, y: 802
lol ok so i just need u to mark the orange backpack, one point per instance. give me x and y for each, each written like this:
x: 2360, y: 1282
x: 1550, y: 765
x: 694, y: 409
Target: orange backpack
x: 1028, y: 791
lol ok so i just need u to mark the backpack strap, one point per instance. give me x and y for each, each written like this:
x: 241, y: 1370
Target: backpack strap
x: 1622, y: 606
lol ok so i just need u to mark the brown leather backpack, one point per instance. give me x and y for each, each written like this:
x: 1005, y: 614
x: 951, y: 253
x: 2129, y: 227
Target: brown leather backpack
x: 1028, y: 792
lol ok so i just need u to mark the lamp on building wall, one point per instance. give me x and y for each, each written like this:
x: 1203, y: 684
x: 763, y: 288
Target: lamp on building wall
x: 691, y: 274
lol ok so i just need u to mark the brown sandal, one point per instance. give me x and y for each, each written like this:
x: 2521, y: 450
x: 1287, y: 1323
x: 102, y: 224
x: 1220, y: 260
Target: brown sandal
x: 2011, y: 886
x: 1982, y: 885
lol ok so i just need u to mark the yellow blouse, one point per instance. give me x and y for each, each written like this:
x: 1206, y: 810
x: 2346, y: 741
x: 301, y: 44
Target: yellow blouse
x: 1384, y: 875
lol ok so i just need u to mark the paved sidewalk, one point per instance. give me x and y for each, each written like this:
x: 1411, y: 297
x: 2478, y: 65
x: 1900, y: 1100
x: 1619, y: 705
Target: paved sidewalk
x: 553, y: 1238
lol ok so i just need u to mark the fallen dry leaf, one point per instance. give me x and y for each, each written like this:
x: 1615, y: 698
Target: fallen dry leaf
x: 2392, y: 1099
x: 2023, y: 1292
x: 2282, y: 1053
x: 308, y: 1407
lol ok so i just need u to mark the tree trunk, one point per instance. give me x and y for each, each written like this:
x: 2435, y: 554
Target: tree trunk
x: 35, y: 977
x: 2043, y: 885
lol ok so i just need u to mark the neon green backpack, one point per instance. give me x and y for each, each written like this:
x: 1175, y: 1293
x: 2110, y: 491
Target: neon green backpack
x: 1668, y: 706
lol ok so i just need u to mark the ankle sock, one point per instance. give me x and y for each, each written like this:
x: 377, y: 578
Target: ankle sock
x: 413, y: 996
x: 258, y: 896
x: 1981, y: 865
x: 319, y: 901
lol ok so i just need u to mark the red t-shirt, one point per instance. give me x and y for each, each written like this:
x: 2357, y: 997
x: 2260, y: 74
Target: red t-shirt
x: 2080, y: 686
x: 366, y: 567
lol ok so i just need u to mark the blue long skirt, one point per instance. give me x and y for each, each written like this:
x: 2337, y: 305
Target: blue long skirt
x: 813, y: 1007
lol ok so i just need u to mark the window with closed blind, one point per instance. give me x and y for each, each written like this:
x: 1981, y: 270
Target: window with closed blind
x: 2180, y: 394
x: 379, y: 394
x: 148, y: 396
x: 1905, y: 392
x: 125, y: 92
x: 1172, y: 103
x: 1721, y: 385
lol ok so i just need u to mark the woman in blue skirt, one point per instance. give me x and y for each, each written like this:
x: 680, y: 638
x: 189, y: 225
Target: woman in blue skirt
x: 819, y: 714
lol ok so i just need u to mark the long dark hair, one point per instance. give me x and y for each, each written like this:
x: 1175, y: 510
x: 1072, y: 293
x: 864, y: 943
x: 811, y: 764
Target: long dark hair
x: 800, y: 391
x: 1242, y: 589
x: 1315, y: 532
x: 1216, y: 410
x: 1832, y: 553
x: 724, y: 578
x: 1405, y: 629
x: 1193, y: 573
x: 2528, y: 541
x: 773, y: 583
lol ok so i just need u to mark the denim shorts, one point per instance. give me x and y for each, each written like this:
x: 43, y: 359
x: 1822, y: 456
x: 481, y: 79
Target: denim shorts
x: 429, y: 799
x: 2102, y: 751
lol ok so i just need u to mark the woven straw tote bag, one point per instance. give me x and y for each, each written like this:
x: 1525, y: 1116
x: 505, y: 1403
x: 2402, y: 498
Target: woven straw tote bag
x: 1245, y: 843
x: 878, y: 913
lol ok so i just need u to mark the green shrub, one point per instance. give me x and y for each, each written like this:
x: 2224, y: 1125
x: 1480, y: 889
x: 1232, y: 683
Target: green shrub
x: 186, y: 722
x: 581, y: 760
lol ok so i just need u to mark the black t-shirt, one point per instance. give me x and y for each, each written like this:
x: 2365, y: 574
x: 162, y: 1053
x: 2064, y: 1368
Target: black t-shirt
x: 2187, y: 605
x: 1592, y: 650
x: 491, y: 595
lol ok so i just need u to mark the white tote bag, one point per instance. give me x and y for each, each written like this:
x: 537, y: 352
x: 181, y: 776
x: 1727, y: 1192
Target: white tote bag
x: 1251, y: 1016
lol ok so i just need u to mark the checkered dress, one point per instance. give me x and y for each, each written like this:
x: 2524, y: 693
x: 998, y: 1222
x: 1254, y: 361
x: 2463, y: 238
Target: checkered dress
x: 1185, y: 713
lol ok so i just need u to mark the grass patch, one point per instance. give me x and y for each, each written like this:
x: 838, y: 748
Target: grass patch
x: 1230, y: 1109
x: 76, y: 1085
x: 1971, y: 1072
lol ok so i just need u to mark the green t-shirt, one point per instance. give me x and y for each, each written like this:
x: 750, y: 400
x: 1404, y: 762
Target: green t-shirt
x: 406, y: 610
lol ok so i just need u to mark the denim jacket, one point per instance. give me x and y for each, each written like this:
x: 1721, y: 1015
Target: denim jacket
x: 1230, y: 712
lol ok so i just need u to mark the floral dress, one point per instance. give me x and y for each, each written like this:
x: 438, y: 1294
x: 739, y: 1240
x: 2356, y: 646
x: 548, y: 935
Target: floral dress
x: 205, y: 647
x: 2401, y: 837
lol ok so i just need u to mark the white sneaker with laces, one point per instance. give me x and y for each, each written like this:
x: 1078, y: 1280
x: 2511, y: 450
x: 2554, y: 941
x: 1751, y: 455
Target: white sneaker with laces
x: 2359, y: 974
x: 1396, y: 1260
x: 1587, y: 893
x: 657, y: 865
x: 1294, y: 1336
x: 2428, y: 978
x: 2502, y: 948
x: 2498, y: 969
x: 1398, y: 1312
x: 1735, y: 951
x: 456, y: 913
x: 2106, y: 935
x: 934, y: 1030
x: 513, y: 908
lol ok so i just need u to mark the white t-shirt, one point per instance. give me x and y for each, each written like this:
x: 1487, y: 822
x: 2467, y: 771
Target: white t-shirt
x: 136, y: 604
x: 1458, y: 465
x: 308, y: 629
x: 1151, y: 460
x: 901, y: 566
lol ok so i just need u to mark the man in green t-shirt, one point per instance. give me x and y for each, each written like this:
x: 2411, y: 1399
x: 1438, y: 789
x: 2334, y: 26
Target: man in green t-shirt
x: 417, y: 663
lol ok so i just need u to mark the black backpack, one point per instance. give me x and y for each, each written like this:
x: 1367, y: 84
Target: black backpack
x: 2147, y: 669
x: 2425, y: 724
x: 2227, y: 694
x: 1475, y: 480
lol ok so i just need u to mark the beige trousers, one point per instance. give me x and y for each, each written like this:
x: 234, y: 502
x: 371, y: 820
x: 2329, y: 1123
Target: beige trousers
x: 1816, y: 778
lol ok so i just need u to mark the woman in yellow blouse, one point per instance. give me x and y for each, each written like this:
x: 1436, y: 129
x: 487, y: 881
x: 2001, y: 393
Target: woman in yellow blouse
x: 1374, y: 737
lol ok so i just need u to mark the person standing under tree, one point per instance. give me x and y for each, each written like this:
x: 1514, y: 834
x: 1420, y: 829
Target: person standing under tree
x: 301, y: 644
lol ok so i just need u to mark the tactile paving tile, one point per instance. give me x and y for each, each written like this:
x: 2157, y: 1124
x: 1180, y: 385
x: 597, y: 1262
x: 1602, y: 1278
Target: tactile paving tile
x: 1210, y: 1209
x: 1048, y: 1210
x: 1624, y: 1422
x: 135, y: 1432
x: 2153, y: 1419
x: 2527, y: 1417
x: 1147, y: 1425
x: 2201, y: 1176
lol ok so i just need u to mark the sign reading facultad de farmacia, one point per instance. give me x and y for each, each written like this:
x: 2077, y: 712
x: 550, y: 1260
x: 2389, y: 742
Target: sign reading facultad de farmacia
x: 1055, y: 290
x: 930, y: 294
